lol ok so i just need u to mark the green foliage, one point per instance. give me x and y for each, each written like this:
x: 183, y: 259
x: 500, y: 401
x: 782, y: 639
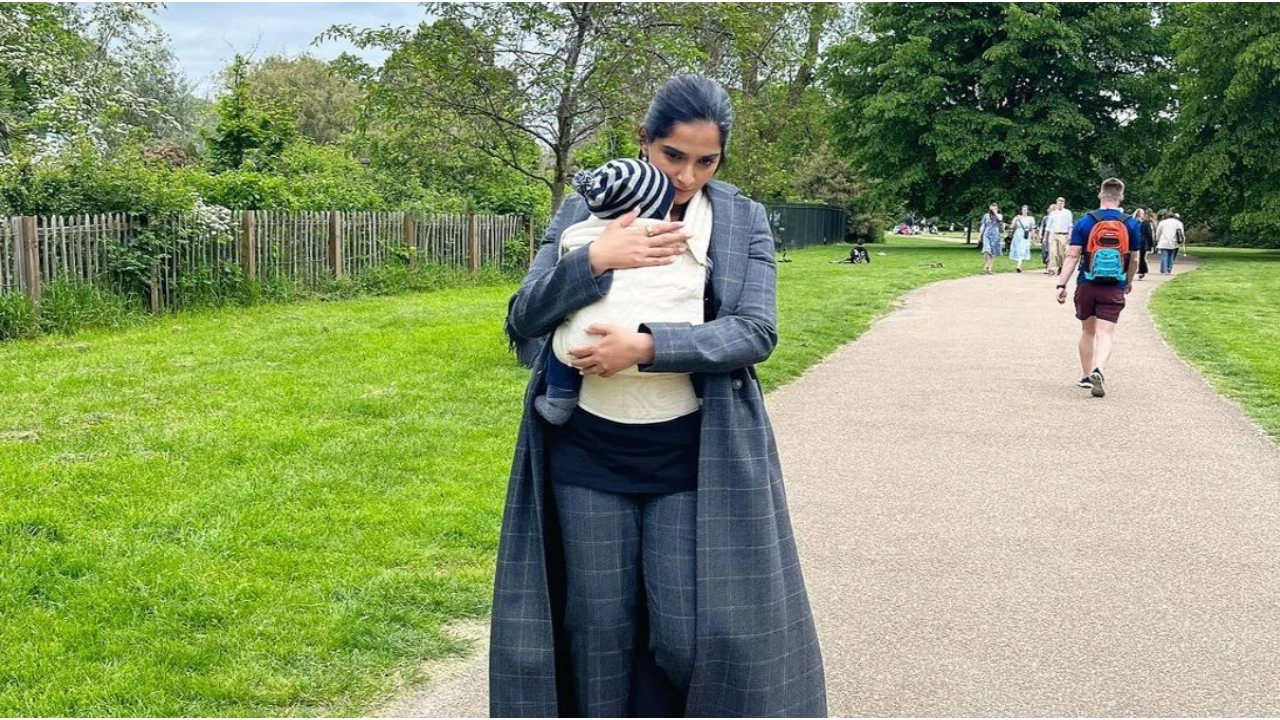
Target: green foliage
x: 619, y: 139
x: 66, y: 307
x: 68, y: 73
x: 81, y: 180
x: 958, y: 105
x: 132, y: 263
x: 305, y: 177
x: 248, y: 131
x: 771, y: 136
x: 324, y: 100
x: 1221, y: 166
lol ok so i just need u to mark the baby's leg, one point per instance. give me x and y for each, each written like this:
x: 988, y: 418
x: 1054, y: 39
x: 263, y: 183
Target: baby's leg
x: 563, y: 384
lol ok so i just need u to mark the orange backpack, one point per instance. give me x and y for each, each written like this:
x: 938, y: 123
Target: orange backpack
x: 1107, y: 252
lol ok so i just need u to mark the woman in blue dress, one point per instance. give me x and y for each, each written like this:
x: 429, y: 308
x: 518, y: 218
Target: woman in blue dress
x: 992, y: 225
x: 1020, y: 248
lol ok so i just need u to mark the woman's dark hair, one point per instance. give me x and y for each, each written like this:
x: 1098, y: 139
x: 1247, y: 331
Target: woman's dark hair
x: 689, y: 99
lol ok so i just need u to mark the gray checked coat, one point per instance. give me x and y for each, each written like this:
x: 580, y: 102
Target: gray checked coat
x: 756, y: 652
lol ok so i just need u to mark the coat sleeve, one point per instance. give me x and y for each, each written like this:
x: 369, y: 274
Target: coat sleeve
x: 552, y: 290
x: 732, y: 341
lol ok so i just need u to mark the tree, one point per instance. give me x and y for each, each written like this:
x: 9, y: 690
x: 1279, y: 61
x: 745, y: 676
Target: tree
x: 489, y: 75
x: 246, y: 130
x: 66, y: 73
x: 1221, y: 164
x: 325, y: 100
x: 955, y: 106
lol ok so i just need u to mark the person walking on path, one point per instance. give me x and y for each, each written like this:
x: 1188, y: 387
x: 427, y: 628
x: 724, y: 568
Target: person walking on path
x: 1147, y: 220
x: 1182, y: 239
x: 647, y: 566
x: 1020, y: 247
x: 1104, y: 244
x: 990, y: 233
x: 1059, y: 235
x: 1045, y: 243
x: 1169, y: 237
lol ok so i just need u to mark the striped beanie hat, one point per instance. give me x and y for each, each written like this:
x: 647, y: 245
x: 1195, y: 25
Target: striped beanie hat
x: 619, y: 186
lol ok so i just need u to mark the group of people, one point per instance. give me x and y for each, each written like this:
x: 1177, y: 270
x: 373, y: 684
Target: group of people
x: 1163, y: 232
x: 1108, y: 245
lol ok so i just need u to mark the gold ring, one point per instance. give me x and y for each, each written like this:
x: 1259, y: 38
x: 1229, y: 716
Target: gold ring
x: 649, y: 231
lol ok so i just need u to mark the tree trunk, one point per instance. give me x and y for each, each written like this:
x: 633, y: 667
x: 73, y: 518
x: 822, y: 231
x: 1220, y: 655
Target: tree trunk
x: 819, y: 14
x: 581, y: 14
x: 560, y: 178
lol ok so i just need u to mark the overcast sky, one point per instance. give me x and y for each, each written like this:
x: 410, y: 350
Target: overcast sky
x: 204, y: 36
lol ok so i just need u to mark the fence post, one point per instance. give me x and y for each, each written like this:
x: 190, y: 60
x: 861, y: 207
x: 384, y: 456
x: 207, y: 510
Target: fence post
x: 335, y: 243
x: 409, y: 229
x: 155, y: 291
x: 533, y: 240
x: 30, y: 252
x: 473, y: 232
x: 249, y: 244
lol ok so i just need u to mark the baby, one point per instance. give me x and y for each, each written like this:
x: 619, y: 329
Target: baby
x: 662, y: 293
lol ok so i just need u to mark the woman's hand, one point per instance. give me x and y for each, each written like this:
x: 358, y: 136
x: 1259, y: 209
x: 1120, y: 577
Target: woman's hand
x: 618, y: 350
x: 620, y: 246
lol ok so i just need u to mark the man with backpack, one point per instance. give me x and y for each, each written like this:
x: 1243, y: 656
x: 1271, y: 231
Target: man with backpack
x: 1105, y: 244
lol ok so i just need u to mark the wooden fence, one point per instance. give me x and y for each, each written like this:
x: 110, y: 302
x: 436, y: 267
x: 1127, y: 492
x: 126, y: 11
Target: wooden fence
x: 303, y: 247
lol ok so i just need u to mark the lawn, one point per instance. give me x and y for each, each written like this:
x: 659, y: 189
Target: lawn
x: 276, y: 510
x: 1224, y: 318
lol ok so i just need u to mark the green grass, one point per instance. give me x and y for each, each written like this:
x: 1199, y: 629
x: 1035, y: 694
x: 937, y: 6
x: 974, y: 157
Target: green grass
x: 1224, y: 318
x: 274, y: 510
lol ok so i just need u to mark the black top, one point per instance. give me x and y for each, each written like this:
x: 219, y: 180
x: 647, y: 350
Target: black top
x: 655, y: 458
x: 1148, y: 235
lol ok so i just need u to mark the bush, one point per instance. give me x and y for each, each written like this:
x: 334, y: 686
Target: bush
x: 79, y: 180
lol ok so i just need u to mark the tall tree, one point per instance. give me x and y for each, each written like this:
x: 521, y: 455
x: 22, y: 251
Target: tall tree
x: 325, y: 100
x: 552, y: 73
x: 958, y: 105
x: 1221, y: 165
x: 67, y: 72
x: 247, y: 131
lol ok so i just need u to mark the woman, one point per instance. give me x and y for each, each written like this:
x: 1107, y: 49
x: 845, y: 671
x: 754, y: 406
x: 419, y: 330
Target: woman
x: 1146, y: 220
x: 599, y: 606
x: 1020, y: 248
x: 992, y: 225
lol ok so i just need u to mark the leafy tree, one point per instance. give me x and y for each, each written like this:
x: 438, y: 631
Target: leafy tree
x: 326, y: 100
x: 959, y: 105
x: 246, y: 130
x: 1221, y: 165
x: 489, y: 76
x: 66, y: 73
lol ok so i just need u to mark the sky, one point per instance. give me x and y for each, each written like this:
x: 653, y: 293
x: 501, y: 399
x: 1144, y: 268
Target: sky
x: 204, y: 36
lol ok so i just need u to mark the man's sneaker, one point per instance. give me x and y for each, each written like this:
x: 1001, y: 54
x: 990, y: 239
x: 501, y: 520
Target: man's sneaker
x: 1084, y: 383
x: 1099, y: 383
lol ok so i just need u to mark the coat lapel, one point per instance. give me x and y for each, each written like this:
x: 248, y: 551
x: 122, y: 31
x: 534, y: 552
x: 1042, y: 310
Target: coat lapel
x: 727, y: 259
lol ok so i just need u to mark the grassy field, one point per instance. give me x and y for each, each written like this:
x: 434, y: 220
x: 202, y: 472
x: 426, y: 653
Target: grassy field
x: 1225, y: 320
x: 275, y: 510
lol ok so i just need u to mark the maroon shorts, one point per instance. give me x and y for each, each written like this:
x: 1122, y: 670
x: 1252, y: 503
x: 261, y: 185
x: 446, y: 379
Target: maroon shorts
x: 1101, y: 301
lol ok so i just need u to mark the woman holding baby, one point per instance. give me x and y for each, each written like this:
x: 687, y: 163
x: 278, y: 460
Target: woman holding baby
x: 647, y: 565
